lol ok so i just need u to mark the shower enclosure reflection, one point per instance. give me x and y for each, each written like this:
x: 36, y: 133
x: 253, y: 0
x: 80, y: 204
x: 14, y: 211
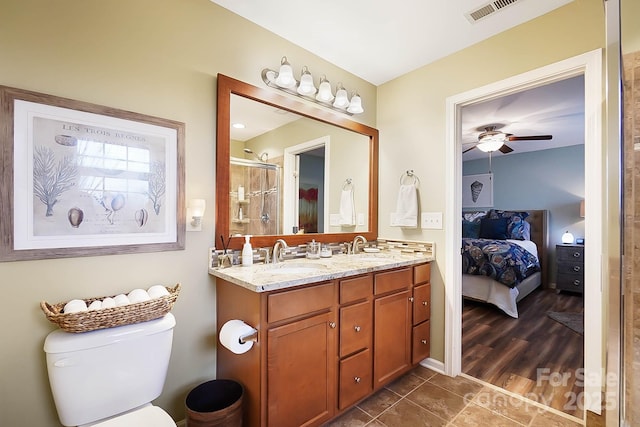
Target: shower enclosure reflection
x: 254, y: 196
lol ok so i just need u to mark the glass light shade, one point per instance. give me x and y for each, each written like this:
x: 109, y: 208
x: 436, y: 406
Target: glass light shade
x: 197, y: 207
x: 306, y: 86
x: 567, y: 238
x: 324, y: 91
x: 490, y: 144
x: 285, y: 75
x: 342, y: 101
x: 355, y: 107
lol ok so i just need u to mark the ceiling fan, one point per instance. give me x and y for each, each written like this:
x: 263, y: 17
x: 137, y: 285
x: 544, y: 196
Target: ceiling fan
x: 492, y: 140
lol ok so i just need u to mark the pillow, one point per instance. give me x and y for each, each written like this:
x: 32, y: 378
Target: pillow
x: 519, y: 229
x: 493, y: 228
x: 514, y: 219
x: 471, y: 229
x: 473, y: 216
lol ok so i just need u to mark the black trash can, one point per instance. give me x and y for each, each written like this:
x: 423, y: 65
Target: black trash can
x: 216, y: 403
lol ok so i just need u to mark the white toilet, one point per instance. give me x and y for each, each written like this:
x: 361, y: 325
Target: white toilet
x: 109, y: 377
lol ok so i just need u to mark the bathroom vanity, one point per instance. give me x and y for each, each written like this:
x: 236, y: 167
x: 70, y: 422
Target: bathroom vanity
x: 330, y: 332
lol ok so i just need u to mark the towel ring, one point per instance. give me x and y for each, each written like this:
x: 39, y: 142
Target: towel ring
x: 348, y: 184
x: 409, y: 174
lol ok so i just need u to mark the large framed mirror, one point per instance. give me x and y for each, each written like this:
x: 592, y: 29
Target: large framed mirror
x: 289, y: 169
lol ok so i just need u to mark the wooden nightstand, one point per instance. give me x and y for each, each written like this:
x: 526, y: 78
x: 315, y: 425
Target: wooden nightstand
x: 570, y: 268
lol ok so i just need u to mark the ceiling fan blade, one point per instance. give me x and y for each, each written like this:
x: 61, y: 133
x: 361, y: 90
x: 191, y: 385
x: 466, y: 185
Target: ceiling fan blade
x: 529, y: 138
x: 505, y: 149
x: 469, y: 149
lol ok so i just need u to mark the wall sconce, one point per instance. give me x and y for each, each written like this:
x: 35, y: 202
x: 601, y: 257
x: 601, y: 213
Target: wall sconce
x: 284, y: 80
x: 195, y: 212
x: 582, y: 209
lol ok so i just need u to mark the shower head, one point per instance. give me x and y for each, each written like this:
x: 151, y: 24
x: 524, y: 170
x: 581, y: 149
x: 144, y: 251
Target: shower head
x: 263, y: 157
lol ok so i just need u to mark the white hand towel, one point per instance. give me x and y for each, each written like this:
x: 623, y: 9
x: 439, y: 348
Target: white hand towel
x: 347, y: 208
x: 406, y: 214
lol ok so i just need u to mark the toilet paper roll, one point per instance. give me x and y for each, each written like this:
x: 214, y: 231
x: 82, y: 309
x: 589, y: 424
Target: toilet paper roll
x: 230, y: 334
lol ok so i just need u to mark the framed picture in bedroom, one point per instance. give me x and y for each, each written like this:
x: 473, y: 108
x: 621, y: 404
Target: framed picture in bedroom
x: 81, y: 179
x: 477, y: 191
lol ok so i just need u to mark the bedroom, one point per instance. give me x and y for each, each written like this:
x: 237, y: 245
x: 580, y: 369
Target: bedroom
x: 545, y: 175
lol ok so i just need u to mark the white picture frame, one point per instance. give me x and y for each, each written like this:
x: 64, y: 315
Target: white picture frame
x: 477, y: 191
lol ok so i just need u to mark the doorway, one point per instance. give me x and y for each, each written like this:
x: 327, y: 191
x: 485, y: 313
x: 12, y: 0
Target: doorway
x: 589, y: 65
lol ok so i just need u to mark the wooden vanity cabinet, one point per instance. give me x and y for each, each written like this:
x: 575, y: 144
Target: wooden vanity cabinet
x: 324, y: 347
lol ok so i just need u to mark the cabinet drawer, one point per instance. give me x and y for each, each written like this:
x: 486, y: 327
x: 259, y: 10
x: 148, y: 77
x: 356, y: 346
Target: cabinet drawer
x: 356, y: 288
x: 571, y: 268
x: 356, y: 327
x: 355, y: 378
x: 393, y: 280
x: 421, y: 303
x: 284, y: 305
x: 570, y: 253
x: 570, y: 282
x: 421, y: 342
x: 422, y: 273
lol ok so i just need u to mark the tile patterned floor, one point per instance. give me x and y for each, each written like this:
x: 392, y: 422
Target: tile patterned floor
x: 424, y: 398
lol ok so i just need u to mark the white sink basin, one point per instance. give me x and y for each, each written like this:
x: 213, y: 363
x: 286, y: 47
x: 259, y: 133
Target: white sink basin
x: 299, y: 268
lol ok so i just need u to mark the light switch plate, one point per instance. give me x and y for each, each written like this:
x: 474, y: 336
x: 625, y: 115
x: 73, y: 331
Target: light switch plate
x: 431, y: 220
x: 360, y: 219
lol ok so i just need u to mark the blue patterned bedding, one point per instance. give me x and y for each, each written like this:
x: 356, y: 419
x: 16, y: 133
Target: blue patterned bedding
x: 503, y: 261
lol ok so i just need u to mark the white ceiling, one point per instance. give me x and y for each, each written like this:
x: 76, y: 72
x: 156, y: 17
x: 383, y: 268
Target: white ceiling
x: 379, y: 41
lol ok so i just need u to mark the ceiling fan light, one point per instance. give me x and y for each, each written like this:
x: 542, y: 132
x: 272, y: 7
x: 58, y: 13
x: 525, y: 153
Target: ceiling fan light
x: 306, y: 86
x: 489, y: 144
x: 355, y: 107
x: 285, y: 75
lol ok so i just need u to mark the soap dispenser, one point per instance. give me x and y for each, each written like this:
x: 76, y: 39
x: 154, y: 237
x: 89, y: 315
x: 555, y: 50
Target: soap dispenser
x: 247, y: 252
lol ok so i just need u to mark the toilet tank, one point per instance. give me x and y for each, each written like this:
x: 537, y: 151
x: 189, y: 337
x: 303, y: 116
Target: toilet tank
x: 98, y: 374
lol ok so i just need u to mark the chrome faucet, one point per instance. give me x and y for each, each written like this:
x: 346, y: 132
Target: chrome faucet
x: 354, y: 244
x: 278, y: 248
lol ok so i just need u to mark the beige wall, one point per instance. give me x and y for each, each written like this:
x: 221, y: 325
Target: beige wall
x: 411, y: 116
x: 158, y: 58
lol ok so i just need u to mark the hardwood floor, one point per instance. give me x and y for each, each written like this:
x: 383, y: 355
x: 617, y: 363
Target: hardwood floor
x: 533, y: 356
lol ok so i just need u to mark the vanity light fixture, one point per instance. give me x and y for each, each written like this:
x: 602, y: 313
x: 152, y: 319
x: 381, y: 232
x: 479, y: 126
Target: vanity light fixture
x: 284, y: 80
x: 195, y: 212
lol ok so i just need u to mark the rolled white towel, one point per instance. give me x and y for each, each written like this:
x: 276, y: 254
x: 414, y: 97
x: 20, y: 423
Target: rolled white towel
x: 138, y: 295
x: 121, y: 300
x: 96, y: 305
x: 75, y: 306
x: 157, y: 291
x: 108, y: 303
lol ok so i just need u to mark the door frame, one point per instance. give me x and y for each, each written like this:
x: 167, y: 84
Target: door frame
x: 590, y: 65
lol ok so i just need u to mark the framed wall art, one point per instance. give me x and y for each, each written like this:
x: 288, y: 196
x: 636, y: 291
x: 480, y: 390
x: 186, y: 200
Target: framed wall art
x: 477, y: 191
x: 81, y: 179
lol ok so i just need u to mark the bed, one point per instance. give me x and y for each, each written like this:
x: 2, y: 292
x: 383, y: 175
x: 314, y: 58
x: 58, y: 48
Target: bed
x: 516, y: 241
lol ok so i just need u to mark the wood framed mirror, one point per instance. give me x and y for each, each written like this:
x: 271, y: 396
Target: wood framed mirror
x: 255, y: 196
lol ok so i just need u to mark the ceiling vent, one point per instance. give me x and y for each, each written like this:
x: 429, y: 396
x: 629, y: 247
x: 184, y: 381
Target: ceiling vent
x: 488, y: 9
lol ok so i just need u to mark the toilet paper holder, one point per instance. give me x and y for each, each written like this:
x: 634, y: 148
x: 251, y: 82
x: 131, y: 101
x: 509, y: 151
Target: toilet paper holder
x: 249, y: 336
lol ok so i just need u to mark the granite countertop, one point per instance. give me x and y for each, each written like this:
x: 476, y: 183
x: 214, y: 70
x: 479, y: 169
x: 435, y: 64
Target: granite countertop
x: 295, y: 272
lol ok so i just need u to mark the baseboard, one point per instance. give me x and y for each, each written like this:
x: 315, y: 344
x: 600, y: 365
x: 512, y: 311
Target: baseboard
x: 433, y: 364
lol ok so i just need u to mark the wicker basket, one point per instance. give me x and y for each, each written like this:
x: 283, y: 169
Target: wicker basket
x: 86, y: 321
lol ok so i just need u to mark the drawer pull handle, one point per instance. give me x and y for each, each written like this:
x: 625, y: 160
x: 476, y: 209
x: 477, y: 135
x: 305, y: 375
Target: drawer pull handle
x: 576, y: 282
x: 357, y: 380
x: 332, y: 325
x: 576, y: 268
x: 425, y: 303
x: 576, y: 254
x: 423, y: 341
x: 357, y: 328
x: 411, y: 299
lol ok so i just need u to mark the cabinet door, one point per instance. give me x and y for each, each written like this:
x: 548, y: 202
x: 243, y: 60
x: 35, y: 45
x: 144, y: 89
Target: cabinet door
x: 392, y: 337
x: 421, y: 303
x: 301, y: 377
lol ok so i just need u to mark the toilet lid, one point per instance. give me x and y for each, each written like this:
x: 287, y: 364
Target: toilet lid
x: 149, y: 416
